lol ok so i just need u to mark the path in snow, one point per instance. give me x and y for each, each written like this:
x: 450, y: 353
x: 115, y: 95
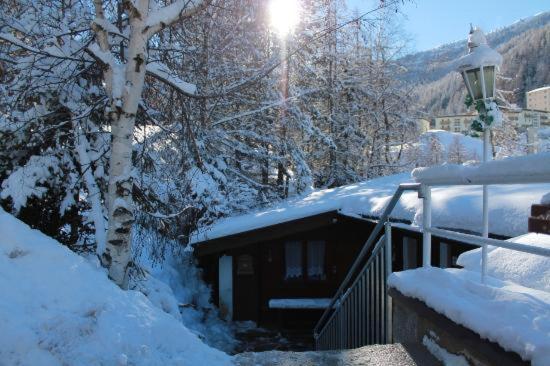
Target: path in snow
x: 379, y: 355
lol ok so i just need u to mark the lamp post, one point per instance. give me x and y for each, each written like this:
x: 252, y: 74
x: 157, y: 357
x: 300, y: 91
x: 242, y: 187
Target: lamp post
x: 478, y: 69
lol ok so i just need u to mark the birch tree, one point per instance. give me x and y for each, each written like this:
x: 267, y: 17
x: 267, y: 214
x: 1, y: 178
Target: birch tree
x: 124, y: 78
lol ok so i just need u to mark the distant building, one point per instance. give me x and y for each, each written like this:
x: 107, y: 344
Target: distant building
x: 539, y: 99
x: 520, y: 119
x: 526, y: 118
x: 455, y: 123
x: 423, y: 124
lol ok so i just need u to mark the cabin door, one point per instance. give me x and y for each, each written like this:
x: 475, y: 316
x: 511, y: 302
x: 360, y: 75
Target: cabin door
x: 225, y: 279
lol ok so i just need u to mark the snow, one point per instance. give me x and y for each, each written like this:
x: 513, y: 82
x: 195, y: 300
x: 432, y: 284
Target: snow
x: 480, y: 53
x: 522, y: 268
x: 319, y: 303
x: 515, y: 317
x: 483, y: 55
x: 457, y: 207
x: 162, y: 72
x: 58, y: 308
x: 473, y: 146
x: 539, y: 89
x: 30, y: 180
x: 176, y: 268
x: 533, y: 168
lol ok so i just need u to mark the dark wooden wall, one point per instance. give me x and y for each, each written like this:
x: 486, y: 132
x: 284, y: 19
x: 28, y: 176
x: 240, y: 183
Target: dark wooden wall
x: 344, y: 238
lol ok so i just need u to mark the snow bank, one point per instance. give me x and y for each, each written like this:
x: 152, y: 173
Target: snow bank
x: 522, y: 268
x: 57, y: 308
x: 515, y: 317
x: 535, y: 168
x: 458, y: 207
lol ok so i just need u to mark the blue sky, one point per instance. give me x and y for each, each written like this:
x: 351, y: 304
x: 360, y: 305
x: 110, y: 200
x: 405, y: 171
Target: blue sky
x: 430, y: 23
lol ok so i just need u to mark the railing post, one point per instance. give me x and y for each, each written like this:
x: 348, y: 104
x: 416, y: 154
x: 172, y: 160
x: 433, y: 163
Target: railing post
x: 485, y: 233
x: 426, y: 225
x: 388, y: 255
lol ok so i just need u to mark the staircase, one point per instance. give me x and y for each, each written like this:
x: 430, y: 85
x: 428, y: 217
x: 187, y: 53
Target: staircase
x: 360, y: 311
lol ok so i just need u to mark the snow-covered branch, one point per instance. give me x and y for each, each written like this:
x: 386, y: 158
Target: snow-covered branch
x: 178, y: 10
x: 162, y: 73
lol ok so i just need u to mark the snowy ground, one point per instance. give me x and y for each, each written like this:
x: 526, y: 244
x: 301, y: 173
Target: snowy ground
x: 379, y: 355
x: 57, y: 308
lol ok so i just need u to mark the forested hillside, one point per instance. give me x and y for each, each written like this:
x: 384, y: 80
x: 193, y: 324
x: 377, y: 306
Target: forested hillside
x: 525, y: 47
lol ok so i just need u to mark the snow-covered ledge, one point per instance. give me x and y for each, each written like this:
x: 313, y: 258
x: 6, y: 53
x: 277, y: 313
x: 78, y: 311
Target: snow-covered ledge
x: 513, y: 316
x: 532, y: 169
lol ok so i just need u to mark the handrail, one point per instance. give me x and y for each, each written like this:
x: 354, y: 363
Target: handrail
x: 366, y: 247
x: 480, y: 241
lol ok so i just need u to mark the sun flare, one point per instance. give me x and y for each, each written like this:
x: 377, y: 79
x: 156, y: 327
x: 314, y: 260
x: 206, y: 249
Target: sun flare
x: 284, y: 15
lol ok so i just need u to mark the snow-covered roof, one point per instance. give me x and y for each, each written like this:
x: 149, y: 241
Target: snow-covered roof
x: 457, y: 207
x: 538, y: 89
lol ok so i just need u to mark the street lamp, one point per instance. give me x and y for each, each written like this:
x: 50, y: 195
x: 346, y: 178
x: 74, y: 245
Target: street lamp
x: 478, y: 69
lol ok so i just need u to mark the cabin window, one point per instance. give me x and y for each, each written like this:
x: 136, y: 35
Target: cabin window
x: 316, y: 259
x: 293, y: 259
x: 305, y: 260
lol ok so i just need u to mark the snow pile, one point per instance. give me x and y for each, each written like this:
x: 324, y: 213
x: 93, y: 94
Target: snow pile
x: 458, y: 207
x: 526, y: 269
x: 515, y: 317
x: 56, y: 308
x: 183, y: 279
x: 534, y: 167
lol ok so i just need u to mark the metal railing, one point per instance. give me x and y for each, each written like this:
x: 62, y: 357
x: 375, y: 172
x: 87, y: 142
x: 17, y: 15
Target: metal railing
x: 358, y: 313
x: 359, y: 317
x: 479, y: 241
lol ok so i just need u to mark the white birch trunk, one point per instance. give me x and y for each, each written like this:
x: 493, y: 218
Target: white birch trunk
x: 117, y: 255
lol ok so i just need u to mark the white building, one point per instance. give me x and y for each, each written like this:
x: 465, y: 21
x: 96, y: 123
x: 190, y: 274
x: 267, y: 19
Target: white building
x: 539, y: 99
x: 520, y: 119
x: 455, y: 123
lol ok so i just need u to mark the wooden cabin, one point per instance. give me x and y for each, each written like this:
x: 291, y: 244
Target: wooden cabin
x: 283, y: 275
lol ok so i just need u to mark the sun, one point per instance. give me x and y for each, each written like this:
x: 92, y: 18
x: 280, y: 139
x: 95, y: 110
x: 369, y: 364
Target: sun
x: 284, y: 15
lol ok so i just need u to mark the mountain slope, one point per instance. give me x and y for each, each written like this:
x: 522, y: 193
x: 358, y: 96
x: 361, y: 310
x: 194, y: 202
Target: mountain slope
x: 525, y: 46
